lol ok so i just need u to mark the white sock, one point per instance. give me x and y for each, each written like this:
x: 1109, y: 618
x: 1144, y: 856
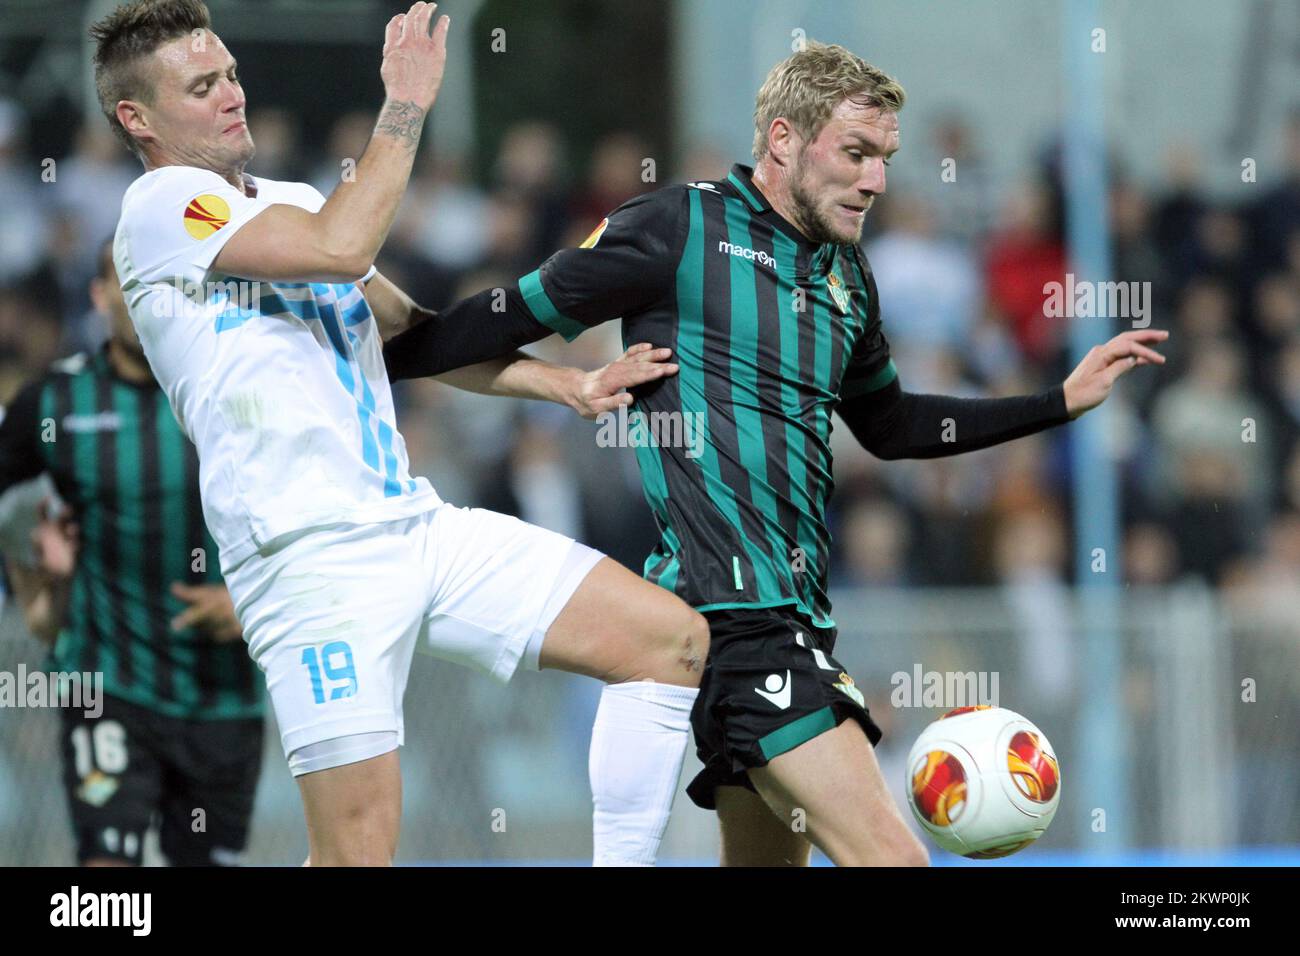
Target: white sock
x: 638, y: 743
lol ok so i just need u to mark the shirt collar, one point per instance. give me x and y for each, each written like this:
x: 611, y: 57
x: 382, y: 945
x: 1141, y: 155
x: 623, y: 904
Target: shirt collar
x: 741, y: 179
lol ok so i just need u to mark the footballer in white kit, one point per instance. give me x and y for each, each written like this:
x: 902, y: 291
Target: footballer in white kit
x: 281, y: 387
x: 262, y: 323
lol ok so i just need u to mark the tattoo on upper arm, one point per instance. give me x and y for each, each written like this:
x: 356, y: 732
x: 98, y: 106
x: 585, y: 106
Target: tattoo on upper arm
x: 402, y: 119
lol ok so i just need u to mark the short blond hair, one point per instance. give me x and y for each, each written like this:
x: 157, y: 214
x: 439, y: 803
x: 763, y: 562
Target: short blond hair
x: 805, y: 88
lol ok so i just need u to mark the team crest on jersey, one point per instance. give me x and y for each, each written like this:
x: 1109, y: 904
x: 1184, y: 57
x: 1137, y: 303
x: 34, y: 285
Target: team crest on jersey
x: 595, y: 235
x: 205, y: 215
x: 838, y: 292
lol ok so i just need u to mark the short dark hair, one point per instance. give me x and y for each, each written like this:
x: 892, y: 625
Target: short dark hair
x: 125, y: 37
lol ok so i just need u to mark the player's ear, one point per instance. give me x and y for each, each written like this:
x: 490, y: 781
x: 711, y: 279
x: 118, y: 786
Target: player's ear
x: 132, y: 118
x: 782, y: 141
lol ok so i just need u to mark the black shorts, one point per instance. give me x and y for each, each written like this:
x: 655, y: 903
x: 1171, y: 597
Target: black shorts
x: 770, y: 684
x: 131, y: 767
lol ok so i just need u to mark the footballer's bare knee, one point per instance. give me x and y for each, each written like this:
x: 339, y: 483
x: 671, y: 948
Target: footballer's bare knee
x: 676, y: 653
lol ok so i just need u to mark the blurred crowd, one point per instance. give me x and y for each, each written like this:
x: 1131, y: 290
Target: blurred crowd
x: 1208, y: 446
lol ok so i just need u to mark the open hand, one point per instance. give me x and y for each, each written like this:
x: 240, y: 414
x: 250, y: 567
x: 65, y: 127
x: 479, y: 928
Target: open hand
x: 414, y: 59
x: 602, y: 390
x: 210, y: 610
x: 1090, y: 383
x: 55, y: 543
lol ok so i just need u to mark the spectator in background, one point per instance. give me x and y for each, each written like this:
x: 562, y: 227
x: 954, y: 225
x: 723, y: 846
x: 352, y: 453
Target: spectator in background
x: 347, y: 141
x: 949, y: 174
x: 1029, y: 554
x: 1178, y: 212
x: 535, y: 480
x: 1220, y: 248
x: 511, y: 233
x: 703, y: 162
x: 1289, y: 498
x: 929, y: 289
x: 413, y: 257
x: 23, y: 225
x: 279, y: 152
x: 1150, y: 555
x: 528, y: 165
x: 614, y: 177
x: 1022, y: 256
x: 91, y: 183
x: 1213, y: 482
x: 1275, y: 219
x: 445, y: 216
x: 1135, y: 256
x: 876, y: 541
x: 30, y: 335
x: 1284, y: 379
x: 1206, y: 311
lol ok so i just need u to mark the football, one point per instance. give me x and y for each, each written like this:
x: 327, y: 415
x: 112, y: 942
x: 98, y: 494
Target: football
x: 983, y: 781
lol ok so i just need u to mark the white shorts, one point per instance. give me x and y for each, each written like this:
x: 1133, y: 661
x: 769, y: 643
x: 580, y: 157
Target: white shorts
x: 332, y: 615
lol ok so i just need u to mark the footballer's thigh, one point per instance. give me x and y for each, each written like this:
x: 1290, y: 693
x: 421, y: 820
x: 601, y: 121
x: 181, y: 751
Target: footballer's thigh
x: 618, y: 627
x: 507, y: 592
x: 834, y: 781
x: 752, y: 835
x: 779, y: 715
x: 332, y: 617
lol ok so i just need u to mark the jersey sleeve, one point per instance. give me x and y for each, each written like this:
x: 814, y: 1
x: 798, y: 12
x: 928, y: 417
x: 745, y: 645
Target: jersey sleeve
x: 177, y: 220
x: 627, y: 264
x: 870, y: 366
x: 20, y: 450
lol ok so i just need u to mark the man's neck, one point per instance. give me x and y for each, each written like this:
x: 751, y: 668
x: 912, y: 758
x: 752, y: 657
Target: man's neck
x: 773, y: 182
x: 234, y: 176
x: 129, y: 365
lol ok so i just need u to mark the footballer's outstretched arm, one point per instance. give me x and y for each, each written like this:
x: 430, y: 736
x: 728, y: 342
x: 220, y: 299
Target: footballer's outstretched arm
x: 627, y: 264
x: 517, y: 375
x: 587, y: 393
x: 893, y: 424
x: 340, y: 241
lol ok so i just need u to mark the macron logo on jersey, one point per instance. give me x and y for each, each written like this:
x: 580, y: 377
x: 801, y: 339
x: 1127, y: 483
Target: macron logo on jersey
x: 762, y: 258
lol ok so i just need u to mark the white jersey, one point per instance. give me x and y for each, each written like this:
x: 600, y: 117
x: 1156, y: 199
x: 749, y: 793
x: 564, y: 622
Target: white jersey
x: 280, y: 385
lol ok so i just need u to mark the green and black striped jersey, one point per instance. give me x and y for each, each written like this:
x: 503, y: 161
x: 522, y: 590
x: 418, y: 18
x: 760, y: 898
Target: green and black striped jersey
x: 120, y: 461
x: 770, y: 330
